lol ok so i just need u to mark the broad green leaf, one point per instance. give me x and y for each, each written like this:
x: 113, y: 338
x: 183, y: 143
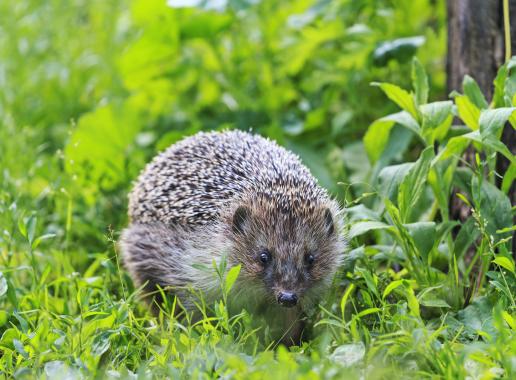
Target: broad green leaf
x: 468, y: 112
x: 440, y: 178
x: 434, y: 302
x: 361, y: 228
x: 18, y: 345
x: 376, y: 138
x: 467, y: 235
x: 499, y: 86
x: 400, y: 49
x: 419, y: 81
x: 390, y: 179
x: 401, y: 97
x: 348, y: 355
x: 498, y: 146
x: 412, y: 186
x: 377, y: 135
x: 492, y: 121
x: 437, y: 119
x: 58, y: 369
x: 494, y: 206
x: 505, y: 262
x: 424, y: 235
x: 231, y: 277
x: 97, y: 152
x: 473, y: 92
x: 101, y: 343
x: 477, y: 317
x: 509, y: 177
x: 509, y: 88
x: 509, y: 320
x: 456, y: 145
x: 360, y: 213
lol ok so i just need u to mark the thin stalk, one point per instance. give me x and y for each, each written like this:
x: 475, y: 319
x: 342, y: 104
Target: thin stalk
x: 507, y: 29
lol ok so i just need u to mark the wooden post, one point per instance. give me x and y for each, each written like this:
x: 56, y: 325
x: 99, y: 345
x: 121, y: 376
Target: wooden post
x: 476, y: 48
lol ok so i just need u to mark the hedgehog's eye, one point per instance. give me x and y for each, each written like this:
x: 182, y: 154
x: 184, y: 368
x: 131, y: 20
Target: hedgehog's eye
x: 265, y: 257
x: 309, y: 259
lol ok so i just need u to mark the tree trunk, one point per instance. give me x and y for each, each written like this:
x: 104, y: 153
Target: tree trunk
x: 476, y: 48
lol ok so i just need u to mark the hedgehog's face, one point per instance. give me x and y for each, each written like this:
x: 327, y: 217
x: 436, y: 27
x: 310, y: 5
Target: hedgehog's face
x: 293, y: 253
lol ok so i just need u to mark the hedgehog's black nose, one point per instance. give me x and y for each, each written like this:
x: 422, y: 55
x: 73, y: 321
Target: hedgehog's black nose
x: 287, y: 299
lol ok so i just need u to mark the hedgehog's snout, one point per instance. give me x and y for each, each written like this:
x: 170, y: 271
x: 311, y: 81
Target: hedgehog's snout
x: 287, y: 299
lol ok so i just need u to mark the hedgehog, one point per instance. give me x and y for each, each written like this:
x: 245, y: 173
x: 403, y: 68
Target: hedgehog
x: 242, y: 198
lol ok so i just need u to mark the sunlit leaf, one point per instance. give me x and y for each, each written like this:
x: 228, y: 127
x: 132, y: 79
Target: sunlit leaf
x: 419, y: 81
x: 468, y: 112
x: 412, y: 187
x: 505, y: 262
x: 231, y: 277
x: 401, y: 97
x: 377, y: 136
x: 473, y: 92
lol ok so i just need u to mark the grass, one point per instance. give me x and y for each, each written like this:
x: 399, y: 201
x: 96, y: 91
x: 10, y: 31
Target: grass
x: 419, y: 295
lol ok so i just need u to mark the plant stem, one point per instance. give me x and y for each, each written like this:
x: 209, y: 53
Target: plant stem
x: 507, y: 28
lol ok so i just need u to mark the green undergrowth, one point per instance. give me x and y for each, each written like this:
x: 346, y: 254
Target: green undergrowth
x: 420, y: 295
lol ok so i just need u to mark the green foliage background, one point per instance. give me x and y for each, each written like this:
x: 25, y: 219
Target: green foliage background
x: 91, y: 90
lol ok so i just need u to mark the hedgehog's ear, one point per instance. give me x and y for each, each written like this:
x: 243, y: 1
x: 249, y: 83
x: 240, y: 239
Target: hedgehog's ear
x: 240, y: 218
x: 328, y: 222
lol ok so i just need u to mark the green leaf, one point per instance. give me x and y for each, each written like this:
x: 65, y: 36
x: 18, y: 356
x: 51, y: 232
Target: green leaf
x: 376, y: 138
x: 41, y: 238
x: 345, y: 297
x: 412, y: 186
x: 389, y: 288
x: 101, y: 343
x: 467, y: 235
x: 492, y: 121
x: 505, y: 262
x: 437, y: 119
x: 349, y: 355
x: 97, y: 152
x: 499, y: 87
x: 494, y: 206
x: 477, y: 317
x: 473, y: 92
x: 419, y: 81
x: 509, y: 177
x: 424, y: 235
x: 18, y: 345
x: 361, y: 228
x: 231, y: 277
x: 434, y: 302
x: 377, y: 135
x: 468, y: 112
x: 456, y: 145
x: 400, y: 49
x: 390, y: 179
x: 401, y: 97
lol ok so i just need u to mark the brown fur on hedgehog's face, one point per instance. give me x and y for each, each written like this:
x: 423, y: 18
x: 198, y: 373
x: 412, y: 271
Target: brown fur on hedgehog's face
x: 293, y: 251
